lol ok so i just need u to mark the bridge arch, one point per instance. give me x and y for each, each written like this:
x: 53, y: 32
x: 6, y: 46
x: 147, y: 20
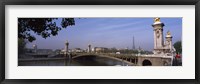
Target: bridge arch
x: 109, y: 57
x: 165, y: 63
x: 146, y: 63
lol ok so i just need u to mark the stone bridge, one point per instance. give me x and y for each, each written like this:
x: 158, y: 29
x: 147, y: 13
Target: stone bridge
x: 126, y: 60
x: 133, y: 60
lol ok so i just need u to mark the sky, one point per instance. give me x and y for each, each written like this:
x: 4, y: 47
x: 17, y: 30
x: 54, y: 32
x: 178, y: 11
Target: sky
x: 110, y: 33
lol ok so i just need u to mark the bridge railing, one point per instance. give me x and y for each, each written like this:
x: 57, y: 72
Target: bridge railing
x: 127, y: 57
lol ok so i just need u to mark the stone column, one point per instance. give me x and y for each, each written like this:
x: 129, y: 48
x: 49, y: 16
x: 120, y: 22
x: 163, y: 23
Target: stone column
x: 66, y: 47
x: 35, y: 48
x: 169, y: 40
x: 158, y: 35
x: 89, y: 48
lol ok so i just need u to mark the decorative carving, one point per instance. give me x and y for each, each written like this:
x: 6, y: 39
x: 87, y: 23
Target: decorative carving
x: 167, y: 42
x: 158, y: 33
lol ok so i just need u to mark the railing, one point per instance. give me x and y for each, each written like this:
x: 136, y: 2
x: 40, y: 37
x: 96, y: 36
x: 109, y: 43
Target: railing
x: 128, y: 58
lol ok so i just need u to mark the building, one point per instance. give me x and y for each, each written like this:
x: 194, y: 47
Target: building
x: 77, y: 50
x: 35, y: 50
x: 100, y: 49
x: 38, y: 53
x: 44, y: 51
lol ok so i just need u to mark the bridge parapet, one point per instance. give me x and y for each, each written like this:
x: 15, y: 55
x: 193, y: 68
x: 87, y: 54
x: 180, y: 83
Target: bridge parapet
x: 128, y: 58
x: 108, y: 54
x: 156, y: 60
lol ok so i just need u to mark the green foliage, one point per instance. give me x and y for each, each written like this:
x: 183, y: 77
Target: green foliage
x: 21, y: 46
x: 44, y: 27
x: 178, y: 47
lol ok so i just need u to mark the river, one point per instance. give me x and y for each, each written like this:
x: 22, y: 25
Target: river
x: 81, y: 61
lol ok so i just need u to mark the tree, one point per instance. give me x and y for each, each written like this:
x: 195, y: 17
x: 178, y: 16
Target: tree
x: 21, y: 46
x: 178, y: 46
x: 44, y: 27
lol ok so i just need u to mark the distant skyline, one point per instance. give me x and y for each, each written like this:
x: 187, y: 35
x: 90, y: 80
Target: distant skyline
x: 109, y: 32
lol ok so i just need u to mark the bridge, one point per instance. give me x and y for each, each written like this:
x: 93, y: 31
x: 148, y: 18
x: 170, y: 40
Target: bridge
x: 129, y: 59
x: 132, y: 59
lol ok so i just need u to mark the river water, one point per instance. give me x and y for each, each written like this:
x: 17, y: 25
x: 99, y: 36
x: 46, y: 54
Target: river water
x: 81, y: 61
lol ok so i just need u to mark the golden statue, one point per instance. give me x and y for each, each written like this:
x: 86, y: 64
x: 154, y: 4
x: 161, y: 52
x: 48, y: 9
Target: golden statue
x: 156, y: 19
x: 168, y: 33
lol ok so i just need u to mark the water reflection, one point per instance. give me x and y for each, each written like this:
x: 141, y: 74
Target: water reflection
x: 81, y: 61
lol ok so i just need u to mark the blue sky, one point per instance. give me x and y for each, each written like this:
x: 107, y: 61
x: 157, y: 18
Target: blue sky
x: 109, y: 32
